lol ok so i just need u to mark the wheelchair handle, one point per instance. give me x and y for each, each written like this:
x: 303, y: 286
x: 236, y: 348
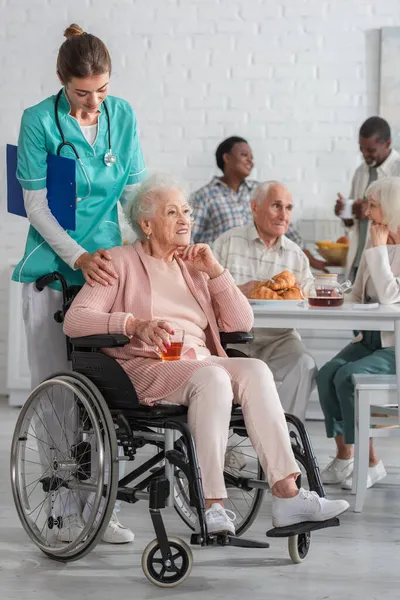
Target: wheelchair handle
x: 46, y: 280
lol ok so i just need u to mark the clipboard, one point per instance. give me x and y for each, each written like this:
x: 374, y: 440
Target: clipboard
x: 61, y: 188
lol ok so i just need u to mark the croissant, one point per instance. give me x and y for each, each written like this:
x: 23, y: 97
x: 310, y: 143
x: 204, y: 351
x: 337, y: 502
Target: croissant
x: 257, y: 286
x: 261, y: 292
x: 293, y: 293
x: 282, y: 281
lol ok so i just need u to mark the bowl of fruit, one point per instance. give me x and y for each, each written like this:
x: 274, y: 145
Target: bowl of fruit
x: 334, y: 253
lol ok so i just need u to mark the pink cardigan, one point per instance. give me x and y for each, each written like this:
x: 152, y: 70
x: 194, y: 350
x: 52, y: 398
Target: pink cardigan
x: 106, y: 309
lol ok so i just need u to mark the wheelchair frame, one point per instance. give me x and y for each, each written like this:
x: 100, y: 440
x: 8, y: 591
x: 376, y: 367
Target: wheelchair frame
x: 137, y: 425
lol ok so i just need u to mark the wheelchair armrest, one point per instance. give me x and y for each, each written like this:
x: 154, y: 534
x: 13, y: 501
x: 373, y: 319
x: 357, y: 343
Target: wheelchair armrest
x: 235, y: 337
x: 104, y: 340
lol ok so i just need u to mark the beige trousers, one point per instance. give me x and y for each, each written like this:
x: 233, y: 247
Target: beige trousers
x: 209, y: 395
x: 291, y: 365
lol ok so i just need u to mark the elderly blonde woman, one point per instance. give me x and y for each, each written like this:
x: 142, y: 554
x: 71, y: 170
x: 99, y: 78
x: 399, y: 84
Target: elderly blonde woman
x: 165, y: 283
x: 378, y: 280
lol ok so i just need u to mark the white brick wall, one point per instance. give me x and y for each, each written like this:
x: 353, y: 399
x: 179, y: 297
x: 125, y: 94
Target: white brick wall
x: 296, y: 77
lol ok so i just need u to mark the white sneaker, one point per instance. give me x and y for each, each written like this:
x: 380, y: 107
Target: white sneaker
x: 337, y: 471
x: 218, y: 520
x: 116, y: 533
x: 306, y: 506
x: 375, y: 474
x: 72, y: 527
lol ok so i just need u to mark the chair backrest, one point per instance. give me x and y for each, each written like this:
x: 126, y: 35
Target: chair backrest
x: 108, y: 376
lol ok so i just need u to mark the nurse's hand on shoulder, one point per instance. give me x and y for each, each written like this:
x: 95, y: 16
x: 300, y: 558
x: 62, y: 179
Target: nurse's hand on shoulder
x: 202, y: 258
x: 97, y: 267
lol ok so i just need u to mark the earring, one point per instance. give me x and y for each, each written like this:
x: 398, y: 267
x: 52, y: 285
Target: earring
x: 148, y: 236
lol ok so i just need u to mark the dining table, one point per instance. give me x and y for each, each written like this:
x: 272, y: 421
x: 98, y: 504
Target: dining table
x: 348, y: 317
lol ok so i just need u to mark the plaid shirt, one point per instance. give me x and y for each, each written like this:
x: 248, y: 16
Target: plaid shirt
x: 217, y: 208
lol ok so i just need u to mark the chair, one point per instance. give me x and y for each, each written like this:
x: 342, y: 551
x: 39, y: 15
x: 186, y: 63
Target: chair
x: 376, y: 415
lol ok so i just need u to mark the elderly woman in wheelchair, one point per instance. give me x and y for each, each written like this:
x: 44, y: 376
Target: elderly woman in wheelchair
x: 163, y: 284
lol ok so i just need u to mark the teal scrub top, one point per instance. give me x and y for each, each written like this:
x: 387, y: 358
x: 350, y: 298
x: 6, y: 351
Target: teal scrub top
x: 96, y: 216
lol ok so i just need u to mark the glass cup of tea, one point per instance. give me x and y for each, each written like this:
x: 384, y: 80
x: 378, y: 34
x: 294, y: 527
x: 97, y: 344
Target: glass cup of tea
x: 173, y: 352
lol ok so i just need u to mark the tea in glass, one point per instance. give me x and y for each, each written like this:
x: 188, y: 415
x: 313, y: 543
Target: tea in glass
x: 325, y: 291
x: 324, y: 300
x: 173, y: 352
x: 326, y: 295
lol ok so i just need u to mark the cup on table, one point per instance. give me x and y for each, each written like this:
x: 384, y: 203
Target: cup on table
x: 347, y: 212
x: 173, y: 352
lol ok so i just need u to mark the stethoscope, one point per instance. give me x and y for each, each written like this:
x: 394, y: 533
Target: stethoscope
x: 109, y: 158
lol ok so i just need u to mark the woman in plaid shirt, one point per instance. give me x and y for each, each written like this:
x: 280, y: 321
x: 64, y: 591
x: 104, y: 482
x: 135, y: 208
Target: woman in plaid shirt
x: 224, y: 203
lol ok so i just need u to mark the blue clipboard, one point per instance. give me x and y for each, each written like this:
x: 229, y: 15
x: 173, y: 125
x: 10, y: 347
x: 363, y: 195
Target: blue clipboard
x: 61, y: 188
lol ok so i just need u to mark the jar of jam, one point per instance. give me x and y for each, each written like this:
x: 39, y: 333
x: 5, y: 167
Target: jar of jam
x: 325, y: 291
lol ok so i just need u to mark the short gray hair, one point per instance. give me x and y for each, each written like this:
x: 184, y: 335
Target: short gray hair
x: 262, y: 190
x: 141, y: 203
x: 386, y: 193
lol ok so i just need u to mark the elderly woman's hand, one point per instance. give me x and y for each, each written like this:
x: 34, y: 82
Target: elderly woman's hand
x: 202, y: 259
x: 153, y: 333
x: 379, y: 235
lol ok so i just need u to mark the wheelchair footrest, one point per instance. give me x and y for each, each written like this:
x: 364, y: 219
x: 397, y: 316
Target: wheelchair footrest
x: 243, y: 543
x: 305, y: 527
x: 223, y: 539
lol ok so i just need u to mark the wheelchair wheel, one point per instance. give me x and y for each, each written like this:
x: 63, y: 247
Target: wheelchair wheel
x: 64, y: 465
x: 298, y: 546
x: 240, y: 461
x: 173, y: 574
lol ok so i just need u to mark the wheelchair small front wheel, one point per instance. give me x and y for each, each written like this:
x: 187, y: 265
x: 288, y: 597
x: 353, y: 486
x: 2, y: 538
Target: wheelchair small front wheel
x: 167, y: 575
x: 299, y: 546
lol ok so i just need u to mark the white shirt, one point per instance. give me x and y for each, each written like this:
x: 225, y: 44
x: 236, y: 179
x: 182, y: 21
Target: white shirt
x: 90, y: 132
x: 244, y: 254
x: 371, y: 293
x: 382, y: 266
x: 389, y: 168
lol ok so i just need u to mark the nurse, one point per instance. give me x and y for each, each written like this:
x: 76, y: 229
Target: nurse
x: 99, y: 132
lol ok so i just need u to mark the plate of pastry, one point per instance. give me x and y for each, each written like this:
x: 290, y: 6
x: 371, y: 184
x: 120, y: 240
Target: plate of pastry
x: 282, y: 288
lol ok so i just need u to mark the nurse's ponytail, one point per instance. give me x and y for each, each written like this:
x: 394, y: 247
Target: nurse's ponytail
x: 82, y: 55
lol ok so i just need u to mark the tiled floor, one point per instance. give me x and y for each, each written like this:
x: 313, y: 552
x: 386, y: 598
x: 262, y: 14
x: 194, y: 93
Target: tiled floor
x: 359, y: 560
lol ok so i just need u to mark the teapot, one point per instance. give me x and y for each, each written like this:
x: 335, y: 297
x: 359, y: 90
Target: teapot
x: 325, y: 291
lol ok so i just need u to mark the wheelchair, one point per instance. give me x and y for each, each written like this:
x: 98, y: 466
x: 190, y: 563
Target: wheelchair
x: 76, y: 428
